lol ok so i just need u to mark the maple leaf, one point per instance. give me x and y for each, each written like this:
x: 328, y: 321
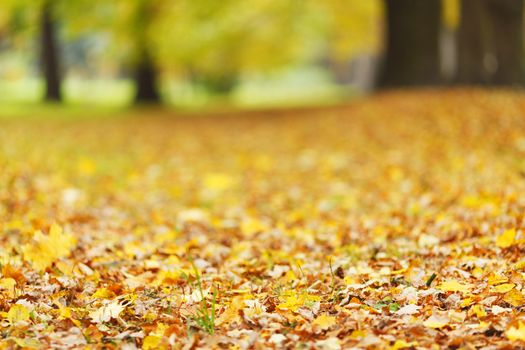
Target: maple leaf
x: 324, y: 322
x: 453, y: 286
x: 514, y: 333
x: 17, y: 313
x: 151, y: 342
x: 514, y: 297
x: 46, y: 249
x: 9, y: 271
x: 506, y: 239
x: 107, y: 312
x: 292, y: 300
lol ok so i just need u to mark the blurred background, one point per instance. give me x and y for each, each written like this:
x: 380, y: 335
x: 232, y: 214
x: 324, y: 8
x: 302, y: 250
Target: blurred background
x: 200, y: 53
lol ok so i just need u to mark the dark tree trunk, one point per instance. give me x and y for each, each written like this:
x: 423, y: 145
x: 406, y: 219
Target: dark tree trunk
x: 146, y: 81
x: 507, y: 25
x: 412, y: 43
x: 49, y: 55
x: 474, y: 43
x: 490, y: 42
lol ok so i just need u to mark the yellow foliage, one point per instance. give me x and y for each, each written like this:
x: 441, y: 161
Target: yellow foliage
x: 291, y: 300
x: 514, y: 333
x: 451, y: 13
x: 46, y: 249
x: 17, y: 313
x: 324, y: 322
x: 506, y: 239
x: 453, y: 286
x: 504, y: 288
x: 151, y: 342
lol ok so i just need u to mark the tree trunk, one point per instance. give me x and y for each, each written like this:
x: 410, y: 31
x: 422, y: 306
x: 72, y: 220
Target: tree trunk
x: 507, y: 25
x: 412, y: 43
x: 474, y: 43
x: 49, y: 55
x: 146, y: 81
x: 490, y: 42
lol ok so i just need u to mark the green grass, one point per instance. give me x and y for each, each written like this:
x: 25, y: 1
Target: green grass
x: 204, y: 316
x: 103, y: 97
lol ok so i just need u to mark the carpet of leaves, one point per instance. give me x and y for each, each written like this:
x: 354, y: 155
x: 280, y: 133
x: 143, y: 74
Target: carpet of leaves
x: 395, y: 222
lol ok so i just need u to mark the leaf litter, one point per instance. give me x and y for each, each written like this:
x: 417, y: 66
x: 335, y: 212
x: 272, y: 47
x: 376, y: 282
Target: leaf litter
x: 395, y: 222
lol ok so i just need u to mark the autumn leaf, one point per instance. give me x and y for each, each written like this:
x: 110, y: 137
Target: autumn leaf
x: 506, y: 239
x: 17, y: 313
x: 518, y: 333
x: 324, y: 322
x: 436, y: 321
x: 514, y: 297
x: 9, y: 271
x: 453, y: 286
x: 46, y: 249
x: 107, y: 312
x: 151, y: 342
x: 503, y: 288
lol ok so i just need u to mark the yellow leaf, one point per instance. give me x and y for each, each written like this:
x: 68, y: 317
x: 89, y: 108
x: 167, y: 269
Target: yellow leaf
x: 519, y: 265
x: 506, y: 239
x: 401, y: 344
x: 497, y: 279
x: 291, y: 300
x: 17, y: 313
x: 357, y: 334
x: 30, y: 343
x: 514, y: 333
x: 478, y: 310
x: 514, y: 297
x: 467, y: 302
x: 7, y: 283
x: 103, y: 293
x: 324, y: 322
x: 231, y: 314
x: 151, y: 342
x: 504, y: 288
x: 46, y: 249
x: 454, y: 286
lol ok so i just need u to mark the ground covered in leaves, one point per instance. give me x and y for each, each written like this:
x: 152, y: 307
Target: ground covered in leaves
x: 395, y: 222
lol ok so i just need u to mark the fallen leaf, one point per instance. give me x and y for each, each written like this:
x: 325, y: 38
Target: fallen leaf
x: 436, y: 321
x: 46, y: 249
x: 514, y: 333
x: 107, y: 312
x: 453, y: 286
x: 409, y: 309
x: 324, y: 322
x: 17, y: 313
x: 506, y: 239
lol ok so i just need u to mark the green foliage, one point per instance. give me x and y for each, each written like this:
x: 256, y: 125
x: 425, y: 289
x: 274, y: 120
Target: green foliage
x: 204, y: 316
x: 210, y: 43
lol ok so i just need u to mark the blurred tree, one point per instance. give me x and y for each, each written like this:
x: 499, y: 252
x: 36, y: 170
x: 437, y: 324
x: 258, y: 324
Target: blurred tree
x: 219, y: 41
x: 412, y: 43
x: 490, y: 42
x: 473, y: 43
x: 130, y: 22
x: 20, y: 17
x: 507, y: 25
x: 351, y: 37
x: 49, y: 54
